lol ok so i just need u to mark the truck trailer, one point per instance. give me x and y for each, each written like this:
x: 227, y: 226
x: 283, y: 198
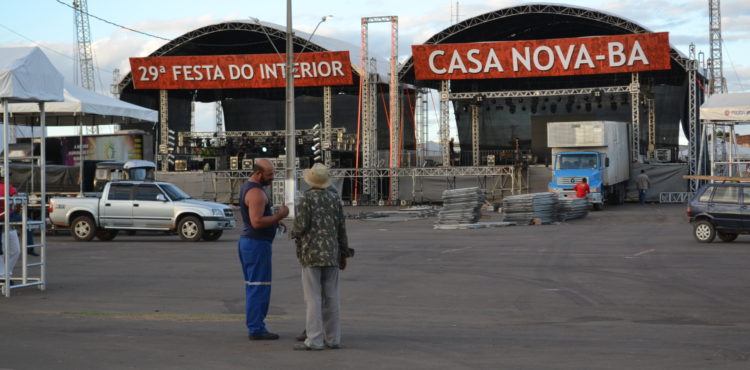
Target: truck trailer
x: 595, y: 150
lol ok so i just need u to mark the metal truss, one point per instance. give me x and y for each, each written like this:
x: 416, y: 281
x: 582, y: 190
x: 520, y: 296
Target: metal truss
x: 505, y: 179
x: 83, y: 38
x: 693, y: 137
x: 386, y: 172
x: 475, y: 134
x: 558, y: 10
x: 394, y: 116
x: 422, y: 122
x: 327, y: 133
x: 651, y: 106
x: 164, y: 129
x: 675, y: 197
x: 255, y: 134
x: 219, y: 117
x: 718, y: 83
x: 536, y: 93
x: 635, y: 110
x: 445, y: 121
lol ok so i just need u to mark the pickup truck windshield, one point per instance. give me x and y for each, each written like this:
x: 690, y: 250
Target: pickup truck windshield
x: 576, y: 162
x: 174, y: 192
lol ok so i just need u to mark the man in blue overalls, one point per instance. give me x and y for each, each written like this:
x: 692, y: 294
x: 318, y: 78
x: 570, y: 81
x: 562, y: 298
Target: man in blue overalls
x: 259, y: 228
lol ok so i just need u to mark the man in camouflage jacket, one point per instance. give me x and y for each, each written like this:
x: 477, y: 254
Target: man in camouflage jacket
x: 322, y: 249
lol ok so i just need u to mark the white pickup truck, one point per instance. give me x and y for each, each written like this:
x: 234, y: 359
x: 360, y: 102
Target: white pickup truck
x: 141, y: 205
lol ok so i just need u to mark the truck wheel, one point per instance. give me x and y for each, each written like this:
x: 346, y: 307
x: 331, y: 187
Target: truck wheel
x: 82, y: 228
x: 106, y: 235
x: 213, y: 235
x: 704, y: 231
x: 190, y: 229
x: 727, y: 237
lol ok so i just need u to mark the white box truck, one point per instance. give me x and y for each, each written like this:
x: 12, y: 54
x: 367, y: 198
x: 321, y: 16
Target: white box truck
x: 595, y: 150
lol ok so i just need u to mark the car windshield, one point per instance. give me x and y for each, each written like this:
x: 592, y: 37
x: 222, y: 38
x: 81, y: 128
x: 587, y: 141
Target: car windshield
x: 576, y: 162
x: 174, y: 192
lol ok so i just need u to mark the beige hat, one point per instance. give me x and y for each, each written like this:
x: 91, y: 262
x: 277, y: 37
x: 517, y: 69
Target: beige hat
x: 317, y: 176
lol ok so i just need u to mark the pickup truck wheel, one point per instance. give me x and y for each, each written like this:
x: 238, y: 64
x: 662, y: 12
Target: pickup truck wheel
x: 82, y: 228
x: 727, y: 237
x: 190, y: 229
x: 704, y: 231
x: 106, y: 235
x: 213, y: 235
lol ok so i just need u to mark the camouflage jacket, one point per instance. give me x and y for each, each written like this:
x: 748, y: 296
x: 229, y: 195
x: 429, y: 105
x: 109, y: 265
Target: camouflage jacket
x: 320, y: 229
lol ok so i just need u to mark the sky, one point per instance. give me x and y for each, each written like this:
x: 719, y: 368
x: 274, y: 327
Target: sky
x: 50, y: 25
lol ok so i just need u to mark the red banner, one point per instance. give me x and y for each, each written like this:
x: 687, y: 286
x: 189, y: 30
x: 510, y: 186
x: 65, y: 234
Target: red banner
x: 240, y: 71
x: 543, y: 58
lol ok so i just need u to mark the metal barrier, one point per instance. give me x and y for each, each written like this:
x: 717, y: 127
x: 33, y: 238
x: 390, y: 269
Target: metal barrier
x: 8, y: 283
x: 675, y: 197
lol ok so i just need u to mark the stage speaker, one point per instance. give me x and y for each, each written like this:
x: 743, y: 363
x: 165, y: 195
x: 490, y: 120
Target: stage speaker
x: 180, y: 165
x: 234, y: 163
x: 247, y: 164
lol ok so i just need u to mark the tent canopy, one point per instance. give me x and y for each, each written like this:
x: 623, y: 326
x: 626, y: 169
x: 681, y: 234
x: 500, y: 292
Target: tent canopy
x: 727, y: 107
x: 26, y: 75
x: 82, y: 106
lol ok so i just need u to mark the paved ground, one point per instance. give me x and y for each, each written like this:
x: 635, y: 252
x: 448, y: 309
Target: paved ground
x: 624, y: 288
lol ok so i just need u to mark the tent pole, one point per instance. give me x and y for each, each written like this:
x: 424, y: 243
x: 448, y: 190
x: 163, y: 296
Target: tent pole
x: 80, y: 156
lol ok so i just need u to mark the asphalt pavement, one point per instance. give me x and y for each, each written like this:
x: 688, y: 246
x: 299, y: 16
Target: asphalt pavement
x: 624, y: 288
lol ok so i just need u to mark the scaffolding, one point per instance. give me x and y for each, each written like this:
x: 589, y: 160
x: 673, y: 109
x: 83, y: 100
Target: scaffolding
x: 368, y: 93
x: 28, y: 278
x: 498, y: 181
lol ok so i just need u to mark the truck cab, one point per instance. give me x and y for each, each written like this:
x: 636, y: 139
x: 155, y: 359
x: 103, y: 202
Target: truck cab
x: 571, y: 168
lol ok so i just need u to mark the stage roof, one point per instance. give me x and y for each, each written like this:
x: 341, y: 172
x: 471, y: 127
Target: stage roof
x: 250, y: 37
x: 538, y: 22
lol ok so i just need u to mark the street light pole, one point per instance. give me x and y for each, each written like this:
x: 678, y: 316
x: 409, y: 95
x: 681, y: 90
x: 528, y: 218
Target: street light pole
x: 290, y: 181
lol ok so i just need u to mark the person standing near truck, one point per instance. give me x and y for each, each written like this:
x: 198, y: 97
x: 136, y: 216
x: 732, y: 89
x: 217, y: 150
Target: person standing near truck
x: 642, y: 182
x: 260, y: 226
x: 582, y: 188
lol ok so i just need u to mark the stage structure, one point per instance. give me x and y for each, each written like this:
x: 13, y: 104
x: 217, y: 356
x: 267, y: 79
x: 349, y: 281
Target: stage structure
x: 252, y: 119
x: 248, y: 111
x: 509, y: 72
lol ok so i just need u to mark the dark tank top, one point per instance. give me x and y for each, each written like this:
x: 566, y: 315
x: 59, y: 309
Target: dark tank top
x: 248, y: 231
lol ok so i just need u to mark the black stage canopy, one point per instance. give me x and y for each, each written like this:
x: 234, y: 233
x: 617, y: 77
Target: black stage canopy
x: 499, y: 126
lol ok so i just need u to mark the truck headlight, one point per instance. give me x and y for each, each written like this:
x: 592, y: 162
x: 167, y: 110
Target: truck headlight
x: 595, y: 190
x: 217, y: 212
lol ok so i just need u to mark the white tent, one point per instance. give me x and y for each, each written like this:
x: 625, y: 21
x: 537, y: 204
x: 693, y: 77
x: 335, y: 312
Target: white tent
x: 26, y: 75
x: 727, y: 107
x: 82, y: 106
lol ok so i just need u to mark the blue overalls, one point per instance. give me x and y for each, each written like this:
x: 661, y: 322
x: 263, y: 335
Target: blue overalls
x: 255, y: 255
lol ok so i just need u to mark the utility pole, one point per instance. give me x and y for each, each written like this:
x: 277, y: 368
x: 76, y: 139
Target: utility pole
x: 290, y: 181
